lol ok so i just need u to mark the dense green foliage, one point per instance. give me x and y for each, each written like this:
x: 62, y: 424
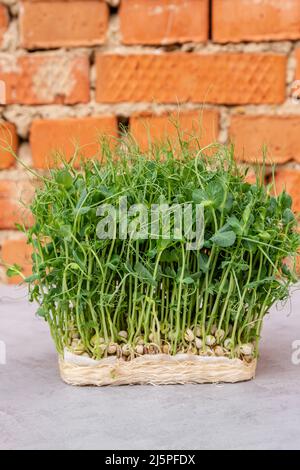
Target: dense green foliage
x: 154, y: 295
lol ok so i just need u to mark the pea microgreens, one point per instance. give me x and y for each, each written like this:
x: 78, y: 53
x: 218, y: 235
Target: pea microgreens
x: 131, y: 297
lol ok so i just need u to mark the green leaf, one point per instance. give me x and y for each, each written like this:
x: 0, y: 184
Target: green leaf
x: 286, y: 200
x: 204, y: 261
x: 65, y: 231
x: 41, y: 312
x: 224, y: 239
x: 74, y: 266
x: 79, y: 258
x: 247, y: 213
x: 228, y: 203
x: 200, y: 197
x: 235, y: 225
x: 288, y: 217
x: 114, y: 262
x: 82, y: 210
x: 264, y: 236
x: 144, y: 274
x: 169, y: 256
x: 14, y: 270
x: 64, y: 178
x: 32, y: 278
x: 188, y: 280
x: 216, y: 192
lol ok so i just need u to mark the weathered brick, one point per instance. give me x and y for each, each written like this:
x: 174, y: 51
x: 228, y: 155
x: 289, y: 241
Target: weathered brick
x: 203, y: 125
x: 4, y: 21
x: 280, y: 134
x: 8, y: 138
x: 16, y: 251
x: 297, y: 56
x: 164, y: 21
x: 45, y: 78
x: 224, y: 78
x: 289, y: 179
x: 14, y: 199
x: 248, y: 20
x: 53, y: 24
x: 49, y: 136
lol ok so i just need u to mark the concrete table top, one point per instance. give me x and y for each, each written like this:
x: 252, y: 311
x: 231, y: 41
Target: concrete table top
x: 38, y: 411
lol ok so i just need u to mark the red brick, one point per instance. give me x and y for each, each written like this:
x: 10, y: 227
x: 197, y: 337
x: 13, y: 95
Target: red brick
x: 297, y: 55
x: 14, y: 197
x: 53, y: 24
x: 49, y: 136
x: 163, y: 21
x: 289, y: 179
x: 4, y: 21
x: 46, y: 79
x: 248, y: 20
x: 223, y: 78
x: 8, y: 137
x: 17, y: 252
x: 279, y: 133
x: 203, y: 125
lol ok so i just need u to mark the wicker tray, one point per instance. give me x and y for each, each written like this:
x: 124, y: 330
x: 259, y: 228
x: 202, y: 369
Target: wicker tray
x: 158, y: 369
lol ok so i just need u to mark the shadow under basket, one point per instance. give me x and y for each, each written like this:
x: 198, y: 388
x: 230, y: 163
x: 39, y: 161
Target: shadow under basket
x: 160, y: 369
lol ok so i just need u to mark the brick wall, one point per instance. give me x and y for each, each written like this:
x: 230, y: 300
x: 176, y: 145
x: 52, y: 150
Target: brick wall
x: 73, y: 68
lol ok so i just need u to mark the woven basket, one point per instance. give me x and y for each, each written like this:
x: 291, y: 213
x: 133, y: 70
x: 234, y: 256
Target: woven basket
x: 160, y: 369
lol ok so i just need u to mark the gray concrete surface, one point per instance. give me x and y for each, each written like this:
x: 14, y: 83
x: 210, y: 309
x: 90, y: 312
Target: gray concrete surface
x: 38, y: 411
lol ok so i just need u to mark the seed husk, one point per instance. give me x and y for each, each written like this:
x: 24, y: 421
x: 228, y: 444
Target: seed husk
x: 228, y: 343
x: 248, y: 358
x: 189, y: 335
x: 219, y: 351
x: 95, y: 340
x: 198, y: 331
x: 219, y: 335
x: 123, y: 334
x: 153, y: 349
x: 165, y: 349
x: 192, y: 350
x: 126, y: 350
x: 112, y: 349
x: 139, y: 349
x: 247, y: 349
x: 210, y: 340
x: 78, y: 347
x: 213, y: 329
x: 207, y: 352
x: 198, y: 343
